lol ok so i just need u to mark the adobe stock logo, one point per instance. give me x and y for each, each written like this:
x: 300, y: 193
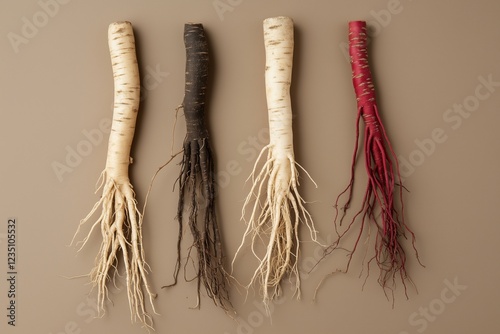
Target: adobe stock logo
x: 257, y: 317
x: 223, y: 6
x: 75, y: 154
x: 425, y: 315
x: 31, y: 25
x: 378, y: 21
x: 454, y: 118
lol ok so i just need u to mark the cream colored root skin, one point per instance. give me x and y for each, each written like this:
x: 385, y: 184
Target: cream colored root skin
x: 120, y: 221
x: 275, y: 205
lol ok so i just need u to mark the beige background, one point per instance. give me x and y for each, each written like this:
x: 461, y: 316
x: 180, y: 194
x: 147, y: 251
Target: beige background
x: 427, y: 56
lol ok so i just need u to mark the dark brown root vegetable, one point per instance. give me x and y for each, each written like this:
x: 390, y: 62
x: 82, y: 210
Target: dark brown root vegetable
x: 197, y: 179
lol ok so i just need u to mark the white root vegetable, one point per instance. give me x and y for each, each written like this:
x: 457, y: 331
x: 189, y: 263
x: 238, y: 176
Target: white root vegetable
x: 277, y: 209
x: 120, y: 221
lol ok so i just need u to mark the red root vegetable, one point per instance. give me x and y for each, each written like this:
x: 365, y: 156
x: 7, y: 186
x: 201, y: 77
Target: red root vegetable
x: 384, y: 189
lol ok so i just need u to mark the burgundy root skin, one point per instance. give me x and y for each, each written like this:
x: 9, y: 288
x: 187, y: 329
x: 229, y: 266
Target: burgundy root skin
x: 378, y: 207
x: 197, y: 179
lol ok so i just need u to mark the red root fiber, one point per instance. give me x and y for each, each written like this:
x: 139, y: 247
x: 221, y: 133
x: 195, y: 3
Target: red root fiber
x: 384, y: 189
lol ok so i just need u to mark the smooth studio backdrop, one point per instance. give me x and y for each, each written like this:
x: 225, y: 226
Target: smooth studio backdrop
x: 437, y: 74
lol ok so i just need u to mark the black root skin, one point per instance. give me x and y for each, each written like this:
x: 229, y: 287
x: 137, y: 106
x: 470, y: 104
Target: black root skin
x: 197, y: 178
